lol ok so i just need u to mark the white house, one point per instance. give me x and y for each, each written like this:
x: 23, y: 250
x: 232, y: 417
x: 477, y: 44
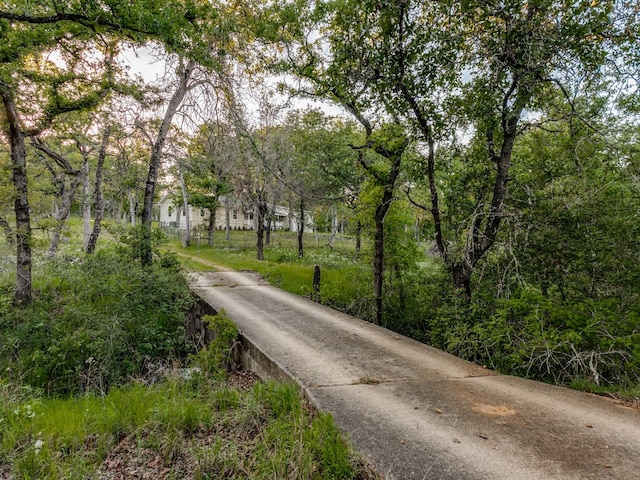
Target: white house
x: 240, y: 216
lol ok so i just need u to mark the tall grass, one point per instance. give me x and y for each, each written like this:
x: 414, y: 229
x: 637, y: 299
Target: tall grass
x: 269, y: 432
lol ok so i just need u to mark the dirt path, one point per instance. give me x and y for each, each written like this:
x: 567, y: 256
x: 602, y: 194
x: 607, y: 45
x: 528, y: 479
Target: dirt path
x: 217, y: 267
x: 418, y: 413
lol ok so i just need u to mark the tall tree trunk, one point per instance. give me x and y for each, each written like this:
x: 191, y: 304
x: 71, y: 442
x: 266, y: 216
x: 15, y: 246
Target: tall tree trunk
x: 333, y: 218
x: 388, y: 183
x: 358, y: 236
x: 268, y: 232
x: 132, y: 208
x: 211, y: 226
x: 227, y: 220
x: 301, y: 229
x: 63, y: 212
x: 262, y: 210
x: 98, y: 202
x: 8, y: 233
x: 186, y: 238
x: 11, y: 126
x: 86, y: 203
x: 156, y: 157
x: 378, y: 260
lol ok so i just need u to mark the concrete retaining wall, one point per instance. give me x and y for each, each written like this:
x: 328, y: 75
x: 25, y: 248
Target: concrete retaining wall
x: 248, y: 355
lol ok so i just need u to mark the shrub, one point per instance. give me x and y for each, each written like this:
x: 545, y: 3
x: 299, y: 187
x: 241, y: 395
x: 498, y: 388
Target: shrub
x: 215, y: 360
x: 94, y: 322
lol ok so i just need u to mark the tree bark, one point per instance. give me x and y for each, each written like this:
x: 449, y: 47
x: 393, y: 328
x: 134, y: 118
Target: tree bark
x: 98, y: 202
x: 211, y: 226
x: 132, y: 208
x: 63, y: 212
x: 227, y: 220
x: 262, y: 209
x: 156, y: 158
x: 186, y: 238
x: 378, y: 249
x: 301, y: 230
x: 268, y: 232
x: 86, y: 204
x: 11, y: 126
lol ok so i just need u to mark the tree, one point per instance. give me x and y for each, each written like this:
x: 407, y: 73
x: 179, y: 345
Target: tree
x: 446, y: 67
x: 29, y: 33
x: 19, y: 122
x: 184, y: 72
x: 322, y: 167
x: 257, y: 165
x: 65, y: 193
x: 98, y: 199
x: 350, y: 75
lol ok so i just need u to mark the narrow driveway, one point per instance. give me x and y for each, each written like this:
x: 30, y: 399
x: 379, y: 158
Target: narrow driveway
x: 418, y: 413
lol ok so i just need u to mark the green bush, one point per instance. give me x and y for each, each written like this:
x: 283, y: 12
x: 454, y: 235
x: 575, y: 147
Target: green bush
x: 540, y: 337
x: 94, y: 322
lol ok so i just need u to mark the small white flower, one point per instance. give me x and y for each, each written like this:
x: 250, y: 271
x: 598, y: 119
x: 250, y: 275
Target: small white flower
x: 38, y: 446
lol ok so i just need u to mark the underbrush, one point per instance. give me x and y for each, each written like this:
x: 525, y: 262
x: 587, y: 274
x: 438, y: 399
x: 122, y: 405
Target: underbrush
x: 591, y: 342
x: 175, y: 429
x: 95, y: 321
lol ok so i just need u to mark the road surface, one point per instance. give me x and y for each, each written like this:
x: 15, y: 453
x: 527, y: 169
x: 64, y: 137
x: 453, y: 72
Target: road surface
x: 418, y: 413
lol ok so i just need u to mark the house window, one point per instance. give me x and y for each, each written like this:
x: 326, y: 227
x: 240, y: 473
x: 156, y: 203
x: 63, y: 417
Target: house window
x: 235, y: 214
x: 251, y: 216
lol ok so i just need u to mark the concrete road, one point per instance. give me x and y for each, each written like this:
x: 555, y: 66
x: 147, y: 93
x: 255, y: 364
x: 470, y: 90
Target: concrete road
x: 418, y: 413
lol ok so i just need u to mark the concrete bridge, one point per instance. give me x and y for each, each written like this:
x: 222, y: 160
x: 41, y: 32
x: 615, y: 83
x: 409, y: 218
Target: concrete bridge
x: 418, y: 413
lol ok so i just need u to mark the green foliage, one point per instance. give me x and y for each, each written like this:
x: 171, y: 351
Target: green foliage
x: 133, y: 242
x: 215, y: 359
x: 94, y: 322
x: 534, y: 336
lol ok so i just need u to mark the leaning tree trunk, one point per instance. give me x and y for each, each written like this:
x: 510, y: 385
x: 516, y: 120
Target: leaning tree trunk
x: 156, y: 158
x: 98, y: 201
x: 11, y: 125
